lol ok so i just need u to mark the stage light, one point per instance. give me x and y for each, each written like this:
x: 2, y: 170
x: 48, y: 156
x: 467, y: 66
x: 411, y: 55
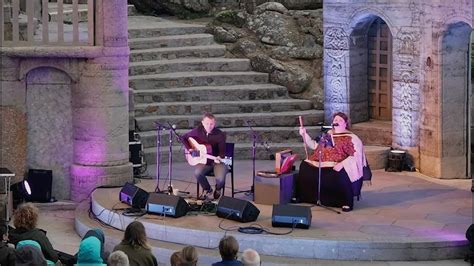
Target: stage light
x: 21, y: 191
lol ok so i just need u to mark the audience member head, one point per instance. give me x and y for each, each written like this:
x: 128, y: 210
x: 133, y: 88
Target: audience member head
x: 89, y: 252
x: 29, y: 253
x: 228, y: 248
x: 189, y: 256
x: 118, y: 258
x: 99, y: 234
x: 250, y: 257
x: 135, y: 235
x: 3, y: 232
x: 26, y: 216
x: 175, y: 259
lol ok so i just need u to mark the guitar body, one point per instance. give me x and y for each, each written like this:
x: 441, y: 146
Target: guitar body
x: 202, y: 152
x: 201, y: 149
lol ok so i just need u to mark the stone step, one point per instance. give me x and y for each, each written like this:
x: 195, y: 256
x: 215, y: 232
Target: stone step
x: 212, y: 93
x: 374, y: 132
x: 171, y: 41
x: 221, y: 107
x: 188, y: 79
x: 188, y: 64
x: 376, y: 155
x: 267, y: 119
x: 148, y: 26
x: 267, y: 135
x: 201, y: 51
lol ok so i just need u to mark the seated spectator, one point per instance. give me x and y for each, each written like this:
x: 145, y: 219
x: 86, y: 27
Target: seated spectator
x: 7, y: 253
x: 175, y: 259
x: 25, y: 219
x: 189, y: 256
x: 28, y: 252
x: 134, y: 244
x: 228, y: 248
x: 91, y: 248
x: 118, y: 258
x: 250, y: 257
x: 99, y: 234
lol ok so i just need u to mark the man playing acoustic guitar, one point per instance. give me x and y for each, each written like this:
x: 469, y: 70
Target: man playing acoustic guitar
x: 207, y: 135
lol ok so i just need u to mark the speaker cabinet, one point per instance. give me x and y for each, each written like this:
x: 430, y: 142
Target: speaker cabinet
x: 40, y: 182
x: 237, y: 210
x: 168, y: 205
x: 291, y: 215
x: 133, y: 195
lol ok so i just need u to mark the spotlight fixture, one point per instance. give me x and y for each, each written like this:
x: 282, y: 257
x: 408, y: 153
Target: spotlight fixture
x: 21, y: 191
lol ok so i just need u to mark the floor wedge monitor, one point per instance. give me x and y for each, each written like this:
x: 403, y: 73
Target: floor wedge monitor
x: 168, y: 205
x: 291, y: 216
x: 237, y: 210
x: 133, y: 195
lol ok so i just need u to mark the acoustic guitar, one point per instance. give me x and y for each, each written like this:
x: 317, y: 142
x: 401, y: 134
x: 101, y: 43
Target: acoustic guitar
x: 201, y: 152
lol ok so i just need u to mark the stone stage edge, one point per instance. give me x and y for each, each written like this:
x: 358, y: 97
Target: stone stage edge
x: 402, y: 216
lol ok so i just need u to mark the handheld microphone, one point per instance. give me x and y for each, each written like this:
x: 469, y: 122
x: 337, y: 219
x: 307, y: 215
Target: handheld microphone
x: 335, y: 124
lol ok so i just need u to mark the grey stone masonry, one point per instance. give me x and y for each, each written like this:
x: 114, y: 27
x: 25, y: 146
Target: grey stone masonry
x: 429, y: 74
x: 178, y: 72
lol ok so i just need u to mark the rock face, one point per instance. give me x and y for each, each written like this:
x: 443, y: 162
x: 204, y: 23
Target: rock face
x: 287, y: 44
x: 193, y: 8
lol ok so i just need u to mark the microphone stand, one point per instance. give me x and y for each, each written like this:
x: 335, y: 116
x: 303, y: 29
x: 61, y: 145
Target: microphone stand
x: 255, y: 137
x: 178, y: 138
x: 159, y: 127
x: 322, y: 141
x: 170, y: 160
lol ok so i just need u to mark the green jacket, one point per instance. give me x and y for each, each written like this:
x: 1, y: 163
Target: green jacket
x: 137, y: 256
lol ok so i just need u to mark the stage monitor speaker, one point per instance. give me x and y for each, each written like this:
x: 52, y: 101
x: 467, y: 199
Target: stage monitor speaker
x: 291, y: 215
x: 237, y: 210
x: 40, y: 182
x: 133, y: 195
x: 168, y: 205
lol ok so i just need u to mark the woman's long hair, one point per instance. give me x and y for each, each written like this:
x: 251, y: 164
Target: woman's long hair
x: 135, y: 235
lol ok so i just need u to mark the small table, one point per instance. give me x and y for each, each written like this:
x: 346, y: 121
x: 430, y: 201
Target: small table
x: 6, y: 175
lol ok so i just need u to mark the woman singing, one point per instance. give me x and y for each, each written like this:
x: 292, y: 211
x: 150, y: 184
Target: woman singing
x: 340, y: 154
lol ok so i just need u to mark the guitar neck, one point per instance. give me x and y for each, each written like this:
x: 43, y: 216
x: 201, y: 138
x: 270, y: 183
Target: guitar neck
x: 211, y: 157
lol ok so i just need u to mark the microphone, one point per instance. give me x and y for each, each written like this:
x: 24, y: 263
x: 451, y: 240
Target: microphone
x: 335, y: 124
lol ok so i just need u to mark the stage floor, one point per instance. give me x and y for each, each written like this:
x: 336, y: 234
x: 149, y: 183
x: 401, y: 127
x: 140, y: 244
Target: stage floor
x: 401, y: 216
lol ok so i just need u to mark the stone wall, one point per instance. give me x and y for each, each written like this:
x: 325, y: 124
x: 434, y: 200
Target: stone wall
x: 427, y: 93
x: 66, y: 108
x: 48, y: 104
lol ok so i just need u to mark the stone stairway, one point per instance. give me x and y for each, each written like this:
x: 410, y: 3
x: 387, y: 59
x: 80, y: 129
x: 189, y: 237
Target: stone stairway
x: 177, y: 72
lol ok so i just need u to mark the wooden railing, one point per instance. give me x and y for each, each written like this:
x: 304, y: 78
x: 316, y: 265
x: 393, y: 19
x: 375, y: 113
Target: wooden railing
x: 47, y: 23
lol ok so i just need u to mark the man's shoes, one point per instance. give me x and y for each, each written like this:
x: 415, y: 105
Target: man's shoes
x: 217, y: 194
x: 205, y: 194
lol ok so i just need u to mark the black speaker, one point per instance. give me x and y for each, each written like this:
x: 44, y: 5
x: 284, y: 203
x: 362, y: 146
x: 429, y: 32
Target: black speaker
x: 237, y: 210
x: 40, y: 182
x: 133, y: 195
x: 136, y: 152
x: 291, y: 215
x: 168, y: 205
